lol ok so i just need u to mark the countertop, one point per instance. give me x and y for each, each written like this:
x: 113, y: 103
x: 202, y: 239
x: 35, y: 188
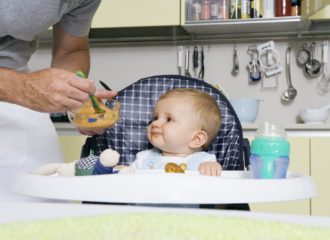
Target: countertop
x: 303, y: 130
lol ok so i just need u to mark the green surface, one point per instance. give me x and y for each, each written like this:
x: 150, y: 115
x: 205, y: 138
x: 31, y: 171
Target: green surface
x: 159, y: 226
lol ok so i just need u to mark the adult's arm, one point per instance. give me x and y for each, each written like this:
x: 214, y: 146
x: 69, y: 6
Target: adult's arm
x: 48, y: 90
x: 71, y: 53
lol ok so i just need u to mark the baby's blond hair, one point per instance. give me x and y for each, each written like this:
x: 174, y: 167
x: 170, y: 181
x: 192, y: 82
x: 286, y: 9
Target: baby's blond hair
x: 208, y: 111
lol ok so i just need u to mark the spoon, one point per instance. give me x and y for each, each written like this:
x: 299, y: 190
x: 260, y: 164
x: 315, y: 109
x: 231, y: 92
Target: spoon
x: 94, y: 101
x: 291, y: 92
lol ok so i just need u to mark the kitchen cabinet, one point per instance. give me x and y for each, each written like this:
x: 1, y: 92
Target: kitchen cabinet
x: 132, y: 13
x: 320, y: 167
x: 314, y: 20
x: 299, y: 162
x: 71, y: 146
x: 223, y: 27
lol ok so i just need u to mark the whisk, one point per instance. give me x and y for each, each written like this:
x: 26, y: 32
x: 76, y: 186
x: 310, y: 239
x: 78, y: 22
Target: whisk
x: 324, y: 82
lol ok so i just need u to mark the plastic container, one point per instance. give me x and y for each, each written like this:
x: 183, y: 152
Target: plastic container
x: 270, y: 152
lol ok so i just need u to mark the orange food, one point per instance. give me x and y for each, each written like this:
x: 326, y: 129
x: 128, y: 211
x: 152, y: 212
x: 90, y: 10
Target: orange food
x: 86, y: 117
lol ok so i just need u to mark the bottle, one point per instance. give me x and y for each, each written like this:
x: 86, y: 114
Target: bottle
x: 270, y: 152
x: 196, y: 10
x: 295, y: 8
x: 245, y: 6
x: 283, y: 8
x: 206, y: 10
x: 256, y: 8
x: 224, y: 9
x: 215, y: 9
x: 235, y: 10
x: 188, y: 10
x: 268, y: 9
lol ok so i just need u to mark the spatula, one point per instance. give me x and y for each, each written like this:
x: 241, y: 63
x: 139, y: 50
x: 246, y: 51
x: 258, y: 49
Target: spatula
x: 94, y: 101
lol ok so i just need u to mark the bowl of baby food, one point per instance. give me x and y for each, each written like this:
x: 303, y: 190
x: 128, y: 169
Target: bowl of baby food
x: 86, y: 118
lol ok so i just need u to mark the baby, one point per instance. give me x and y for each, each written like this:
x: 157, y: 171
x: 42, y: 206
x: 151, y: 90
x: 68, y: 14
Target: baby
x: 184, y: 123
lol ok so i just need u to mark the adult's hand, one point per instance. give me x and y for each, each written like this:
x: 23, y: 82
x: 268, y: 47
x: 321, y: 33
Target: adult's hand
x: 49, y: 90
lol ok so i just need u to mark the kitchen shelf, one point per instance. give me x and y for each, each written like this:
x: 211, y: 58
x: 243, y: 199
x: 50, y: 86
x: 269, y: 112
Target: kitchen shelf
x: 248, y: 27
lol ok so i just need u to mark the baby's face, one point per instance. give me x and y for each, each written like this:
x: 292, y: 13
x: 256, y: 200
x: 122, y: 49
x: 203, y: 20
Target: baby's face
x: 174, y: 125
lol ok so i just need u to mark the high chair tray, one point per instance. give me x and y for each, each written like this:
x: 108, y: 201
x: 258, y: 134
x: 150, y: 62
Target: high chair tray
x: 157, y: 187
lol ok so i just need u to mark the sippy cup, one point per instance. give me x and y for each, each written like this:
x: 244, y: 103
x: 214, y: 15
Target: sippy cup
x: 270, y: 152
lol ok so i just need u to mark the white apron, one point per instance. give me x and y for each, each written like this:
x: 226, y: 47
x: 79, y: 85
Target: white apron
x: 28, y: 140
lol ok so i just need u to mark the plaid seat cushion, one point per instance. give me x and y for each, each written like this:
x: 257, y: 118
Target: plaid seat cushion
x: 129, y: 135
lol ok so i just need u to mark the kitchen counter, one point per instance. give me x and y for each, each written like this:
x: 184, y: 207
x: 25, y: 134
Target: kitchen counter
x: 294, y: 130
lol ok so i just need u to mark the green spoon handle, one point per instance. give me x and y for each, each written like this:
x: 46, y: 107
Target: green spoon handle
x: 94, y: 101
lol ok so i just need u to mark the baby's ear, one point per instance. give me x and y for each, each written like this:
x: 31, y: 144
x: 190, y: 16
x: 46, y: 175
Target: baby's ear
x: 198, y: 140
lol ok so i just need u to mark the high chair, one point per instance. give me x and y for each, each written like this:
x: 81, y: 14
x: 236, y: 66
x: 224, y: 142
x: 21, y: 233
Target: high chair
x: 129, y: 136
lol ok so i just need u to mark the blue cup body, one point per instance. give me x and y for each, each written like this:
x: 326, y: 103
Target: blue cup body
x: 269, y: 167
x: 270, y: 157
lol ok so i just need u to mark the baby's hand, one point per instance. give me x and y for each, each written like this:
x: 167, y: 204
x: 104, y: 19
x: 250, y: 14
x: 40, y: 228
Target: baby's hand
x: 210, y: 168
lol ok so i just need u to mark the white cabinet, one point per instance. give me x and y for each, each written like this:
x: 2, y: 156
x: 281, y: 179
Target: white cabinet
x: 320, y: 172
x: 71, y: 146
x: 133, y: 13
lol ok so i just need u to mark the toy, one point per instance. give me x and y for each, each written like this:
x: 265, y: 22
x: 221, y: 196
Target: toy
x: 91, y: 165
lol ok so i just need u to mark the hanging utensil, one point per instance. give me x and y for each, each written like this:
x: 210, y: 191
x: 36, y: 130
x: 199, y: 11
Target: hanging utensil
x: 291, y: 92
x: 187, y: 58
x: 254, y: 65
x: 195, y: 61
x: 313, y: 66
x: 235, y: 69
x: 202, y: 70
x: 303, y: 55
x: 323, y: 84
x: 180, y: 54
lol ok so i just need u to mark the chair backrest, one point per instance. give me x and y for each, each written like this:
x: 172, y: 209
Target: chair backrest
x: 129, y: 135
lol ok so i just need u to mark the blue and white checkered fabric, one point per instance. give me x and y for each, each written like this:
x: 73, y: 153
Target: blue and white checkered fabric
x: 129, y: 135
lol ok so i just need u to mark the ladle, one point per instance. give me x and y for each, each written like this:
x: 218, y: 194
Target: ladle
x: 313, y: 67
x: 291, y: 92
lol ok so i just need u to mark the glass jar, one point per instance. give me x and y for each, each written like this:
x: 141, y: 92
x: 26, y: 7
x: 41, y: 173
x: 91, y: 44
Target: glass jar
x: 268, y: 8
x: 295, y: 8
x: 196, y: 10
x: 206, y: 10
x: 283, y: 8
x: 224, y: 9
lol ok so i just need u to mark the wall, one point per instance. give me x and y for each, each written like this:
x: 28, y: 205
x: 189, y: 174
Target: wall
x: 120, y: 66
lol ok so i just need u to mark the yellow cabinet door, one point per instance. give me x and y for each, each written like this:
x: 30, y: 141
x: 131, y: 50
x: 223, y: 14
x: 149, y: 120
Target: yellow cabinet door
x: 320, y: 168
x: 71, y: 146
x: 299, y: 162
x: 137, y: 13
